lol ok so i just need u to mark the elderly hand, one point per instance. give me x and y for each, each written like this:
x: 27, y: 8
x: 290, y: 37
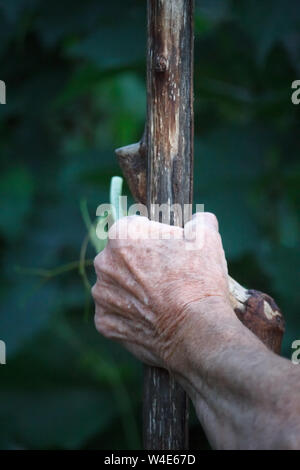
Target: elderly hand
x: 152, y: 292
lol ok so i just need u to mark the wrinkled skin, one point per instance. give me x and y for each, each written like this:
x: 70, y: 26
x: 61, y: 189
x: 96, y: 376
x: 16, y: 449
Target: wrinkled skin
x: 145, y: 287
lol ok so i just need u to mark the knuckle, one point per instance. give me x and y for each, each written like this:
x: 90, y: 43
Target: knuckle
x: 212, y: 220
x: 212, y: 215
x: 105, y: 331
x: 98, y: 293
x: 99, y: 259
x: 117, y: 243
x: 119, y: 228
x: 119, y: 250
x: 102, y: 326
x: 94, y: 291
x: 123, y: 250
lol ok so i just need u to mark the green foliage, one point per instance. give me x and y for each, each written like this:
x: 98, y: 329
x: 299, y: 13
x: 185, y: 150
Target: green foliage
x: 16, y: 188
x: 75, y: 76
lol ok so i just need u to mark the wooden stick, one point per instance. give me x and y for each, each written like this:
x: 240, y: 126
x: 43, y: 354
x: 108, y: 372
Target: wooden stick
x: 159, y: 169
x: 169, y: 143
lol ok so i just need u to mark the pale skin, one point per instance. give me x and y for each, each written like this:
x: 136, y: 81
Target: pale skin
x: 167, y: 301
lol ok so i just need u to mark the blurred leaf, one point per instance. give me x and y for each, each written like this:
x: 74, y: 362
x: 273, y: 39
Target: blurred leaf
x: 282, y: 266
x: 55, y: 418
x: 227, y: 163
x: 58, y: 406
x: 14, y: 8
x: 25, y: 311
x: 82, y: 17
x: 268, y: 22
x: 212, y: 11
x: 111, y: 47
x: 16, y: 193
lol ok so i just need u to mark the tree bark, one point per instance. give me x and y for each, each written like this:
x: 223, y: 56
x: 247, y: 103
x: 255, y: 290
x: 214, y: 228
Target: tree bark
x: 169, y: 143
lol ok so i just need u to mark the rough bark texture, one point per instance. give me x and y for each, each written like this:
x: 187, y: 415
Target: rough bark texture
x: 169, y: 138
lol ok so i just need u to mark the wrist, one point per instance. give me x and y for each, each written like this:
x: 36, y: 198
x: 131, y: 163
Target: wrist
x: 209, y: 326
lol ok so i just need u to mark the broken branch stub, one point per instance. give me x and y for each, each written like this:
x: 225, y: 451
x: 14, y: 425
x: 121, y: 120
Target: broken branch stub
x: 133, y: 162
x: 259, y: 313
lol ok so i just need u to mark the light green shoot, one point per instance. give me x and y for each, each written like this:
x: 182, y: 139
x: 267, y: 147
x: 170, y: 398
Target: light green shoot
x: 116, y: 213
x: 116, y: 186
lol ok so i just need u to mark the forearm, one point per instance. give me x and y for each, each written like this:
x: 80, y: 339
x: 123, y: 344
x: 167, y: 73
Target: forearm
x: 244, y: 395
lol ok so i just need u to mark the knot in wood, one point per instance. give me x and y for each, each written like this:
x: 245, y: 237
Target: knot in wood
x: 161, y: 63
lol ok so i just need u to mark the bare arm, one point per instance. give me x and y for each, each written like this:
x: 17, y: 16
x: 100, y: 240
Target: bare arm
x: 167, y: 301
x: 244, y: 395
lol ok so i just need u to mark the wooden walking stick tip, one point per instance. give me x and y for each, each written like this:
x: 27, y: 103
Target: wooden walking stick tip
x: 258, y: 312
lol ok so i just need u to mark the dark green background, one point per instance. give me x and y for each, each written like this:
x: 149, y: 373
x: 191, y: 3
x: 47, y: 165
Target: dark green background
x: 75, y: 76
